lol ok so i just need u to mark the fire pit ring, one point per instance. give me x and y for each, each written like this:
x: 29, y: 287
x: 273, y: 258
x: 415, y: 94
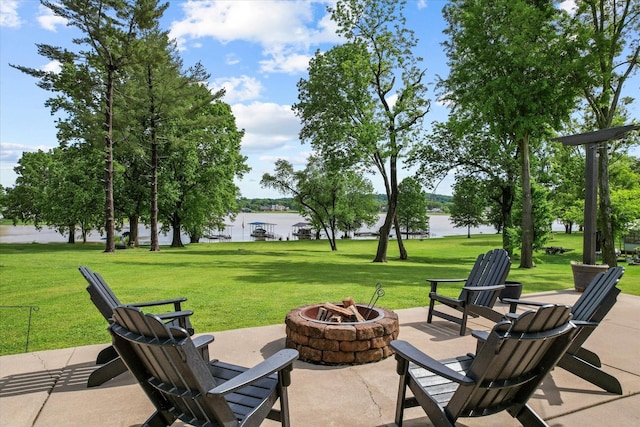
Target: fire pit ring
x: 346, y: 343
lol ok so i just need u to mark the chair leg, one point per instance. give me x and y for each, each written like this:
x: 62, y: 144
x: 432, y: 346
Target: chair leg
x: 528, y: 418
x: 591, y: 373
x: 402, y: 369
x: 106, y: 355
x: 106, y: 372
x: 588, y: 356
x: 463, y: 322
x: 431, y: 305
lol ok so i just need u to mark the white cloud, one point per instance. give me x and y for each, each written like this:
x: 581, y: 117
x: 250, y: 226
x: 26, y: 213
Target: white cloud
x: 52, y: 67
x: 285, y: 62
x: 231, y: 59
x: 48, y: 20
x: 266, y: 125
x: 9, y: 14
x: 10, y: 153
x: 285, y: 29
x: 422, y: 4
x: 238, y: 89
x: 568, y: 6
x: 391, y: 100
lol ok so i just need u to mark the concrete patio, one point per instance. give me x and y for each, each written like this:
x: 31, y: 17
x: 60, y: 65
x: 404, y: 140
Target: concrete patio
x: 48, y: 388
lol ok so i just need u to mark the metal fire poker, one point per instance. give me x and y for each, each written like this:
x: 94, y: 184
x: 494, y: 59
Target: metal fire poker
x: 377, y: 293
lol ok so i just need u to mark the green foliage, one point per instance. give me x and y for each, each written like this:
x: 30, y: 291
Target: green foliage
x: 60, y: 189
x: 469, y: 204
x: 626, y: 210
x: 608, y: 30
x: 331, y: 199
x: 412, y: 207
x: 542, y: 215
x: 345, y: 105
x: 515, y: 79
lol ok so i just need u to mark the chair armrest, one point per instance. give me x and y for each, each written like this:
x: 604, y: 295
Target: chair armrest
x: 175, y: 301
x: 175, y: 314
x: 434, y: 282
x: 513, y: 303
x: 480, y: 335
x: 281, y: 360
x: 585, y: 323
x: 408, y: 352
x: 202, y: 340
x: 483, y: 288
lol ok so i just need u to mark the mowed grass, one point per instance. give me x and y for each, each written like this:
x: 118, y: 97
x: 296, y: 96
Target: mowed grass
x: 237, y: 285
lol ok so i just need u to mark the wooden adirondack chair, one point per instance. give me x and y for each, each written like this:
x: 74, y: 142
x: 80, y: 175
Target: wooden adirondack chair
x: 590, y: 309
x: 105, y: 301
x: 510, y: 363
x: 480, y: 292
x: 181, y: 385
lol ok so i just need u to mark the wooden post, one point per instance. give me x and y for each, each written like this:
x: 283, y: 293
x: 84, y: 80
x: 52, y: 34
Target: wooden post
x: 590, y: 204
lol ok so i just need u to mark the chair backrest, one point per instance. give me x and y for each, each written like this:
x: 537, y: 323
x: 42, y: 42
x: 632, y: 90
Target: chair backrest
x: 100, y: 293
x: 595, y: 302
x: 598, y: 297
x: 490, y: 269
x: 169, y: 368
x: 513, y: 361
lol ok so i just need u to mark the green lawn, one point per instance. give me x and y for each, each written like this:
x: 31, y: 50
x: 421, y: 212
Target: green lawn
x: 236, y: 285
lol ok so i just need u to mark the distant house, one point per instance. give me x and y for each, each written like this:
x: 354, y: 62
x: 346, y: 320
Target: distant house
x: 274, y: 208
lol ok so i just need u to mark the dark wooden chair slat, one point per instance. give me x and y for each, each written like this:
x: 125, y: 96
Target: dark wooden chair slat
x: 106, y: 301
x: 479, y: 293
x: 589, y: 310
x: 182, y: 385
x: 510, y: 363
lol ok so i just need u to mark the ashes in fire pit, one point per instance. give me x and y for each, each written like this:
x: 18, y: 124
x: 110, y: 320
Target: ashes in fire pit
x: 341, y: 334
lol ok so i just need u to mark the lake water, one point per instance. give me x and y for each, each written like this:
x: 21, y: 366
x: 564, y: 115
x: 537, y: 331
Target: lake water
x: 280, y: 224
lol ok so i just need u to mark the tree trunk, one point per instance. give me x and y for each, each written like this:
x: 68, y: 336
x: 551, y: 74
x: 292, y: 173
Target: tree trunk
x: 108, y: 181
x: 468, y: 231
x: 506, y: 203
x: 526, y: 258
x: 391, y: 188
x: 607, y: 238
x: 155, y: 236
x: 133, y: 231
x: 72, y: 234
x: 401, y: 248
x: 176, y: 240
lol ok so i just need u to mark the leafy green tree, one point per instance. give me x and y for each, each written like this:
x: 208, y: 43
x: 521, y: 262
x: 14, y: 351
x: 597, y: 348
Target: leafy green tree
x: 60, y: 189
x: 219, y: 164
x: 364, y: 101
x: 202, y: 161
x: 412, y: 207
x: 3, y: 201
x: 625, y: 210
x: 108, y: 33
x: 510, y: 66
x: 543, y: 218
x: 468, y: 203
x: 156, y: 92
x: 469, y: 147
x: 566, y: 170
x: 331, y: 201
x: 609, y: 29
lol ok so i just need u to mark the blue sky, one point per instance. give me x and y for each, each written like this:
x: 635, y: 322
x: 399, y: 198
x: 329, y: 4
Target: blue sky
x: 256, y: 49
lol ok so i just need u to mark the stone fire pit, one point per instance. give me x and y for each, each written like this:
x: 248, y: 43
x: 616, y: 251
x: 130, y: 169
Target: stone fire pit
x: 346, y: 343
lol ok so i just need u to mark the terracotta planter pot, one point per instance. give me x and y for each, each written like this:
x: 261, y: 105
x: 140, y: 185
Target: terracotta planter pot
x: 584, y: 273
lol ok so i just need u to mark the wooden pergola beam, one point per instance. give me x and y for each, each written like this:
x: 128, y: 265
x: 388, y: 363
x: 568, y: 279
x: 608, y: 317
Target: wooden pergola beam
x: 591, y: 141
